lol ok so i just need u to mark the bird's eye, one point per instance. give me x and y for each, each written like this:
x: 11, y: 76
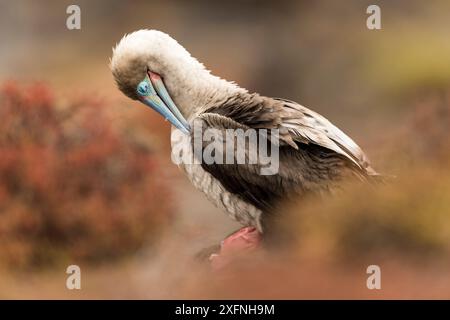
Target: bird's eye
x: 143, y: 88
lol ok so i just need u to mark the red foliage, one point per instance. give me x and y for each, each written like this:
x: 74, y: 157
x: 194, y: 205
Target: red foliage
x: 72, y: 185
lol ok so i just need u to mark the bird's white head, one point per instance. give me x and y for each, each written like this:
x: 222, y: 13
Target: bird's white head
x: 152, y: 67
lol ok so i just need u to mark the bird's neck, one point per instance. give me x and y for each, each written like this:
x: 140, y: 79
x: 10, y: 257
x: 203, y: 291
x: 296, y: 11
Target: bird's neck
x: 198, y: 90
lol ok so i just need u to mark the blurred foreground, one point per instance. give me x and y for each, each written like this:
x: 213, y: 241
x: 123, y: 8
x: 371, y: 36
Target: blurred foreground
x: 403, y: 226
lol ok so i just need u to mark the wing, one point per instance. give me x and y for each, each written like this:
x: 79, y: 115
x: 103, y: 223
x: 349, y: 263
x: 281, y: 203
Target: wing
x: 297, y: 124
x: 314, y: 154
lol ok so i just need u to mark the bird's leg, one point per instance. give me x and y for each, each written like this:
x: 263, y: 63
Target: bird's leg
x: 242, y: 241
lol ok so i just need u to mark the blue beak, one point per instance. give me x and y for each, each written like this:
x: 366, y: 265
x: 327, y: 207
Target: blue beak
x: 153, y: 93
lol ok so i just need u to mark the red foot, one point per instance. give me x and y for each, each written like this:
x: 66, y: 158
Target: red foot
x: 242, y: 241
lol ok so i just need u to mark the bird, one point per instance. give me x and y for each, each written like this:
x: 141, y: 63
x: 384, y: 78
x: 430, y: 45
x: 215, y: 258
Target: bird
x: 314, y: 155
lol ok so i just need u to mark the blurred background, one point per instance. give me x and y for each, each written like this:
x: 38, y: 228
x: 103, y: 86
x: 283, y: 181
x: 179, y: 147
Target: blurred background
x: 86, y: 176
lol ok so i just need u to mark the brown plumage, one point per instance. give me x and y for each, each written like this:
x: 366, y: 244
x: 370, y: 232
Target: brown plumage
x: 315, y: 156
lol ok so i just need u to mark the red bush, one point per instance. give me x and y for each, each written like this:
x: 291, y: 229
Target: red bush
x: 72, y: 185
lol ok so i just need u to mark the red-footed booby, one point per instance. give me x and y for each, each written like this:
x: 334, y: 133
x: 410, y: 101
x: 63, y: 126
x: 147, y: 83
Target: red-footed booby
x: 314, y: 155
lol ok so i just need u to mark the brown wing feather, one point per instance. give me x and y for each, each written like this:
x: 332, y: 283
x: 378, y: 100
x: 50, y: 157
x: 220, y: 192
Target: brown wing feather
x: 295, y: 122
x: 305, y: 123
x: 307, y: 168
